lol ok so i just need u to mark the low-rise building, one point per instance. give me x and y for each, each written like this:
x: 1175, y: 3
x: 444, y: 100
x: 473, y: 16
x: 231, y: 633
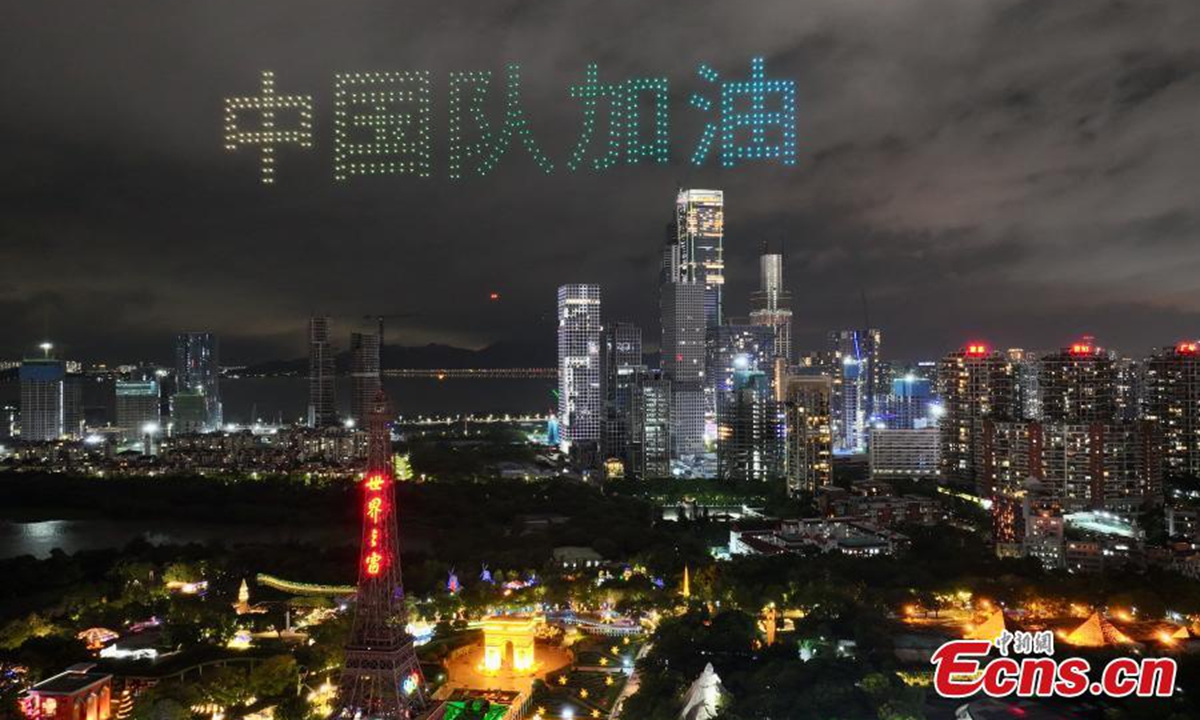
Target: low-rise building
x: 76, y: 694
x: 848, y: 535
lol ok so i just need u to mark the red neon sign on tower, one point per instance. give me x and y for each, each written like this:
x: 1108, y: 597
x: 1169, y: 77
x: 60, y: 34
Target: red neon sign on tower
x: 375, y: 509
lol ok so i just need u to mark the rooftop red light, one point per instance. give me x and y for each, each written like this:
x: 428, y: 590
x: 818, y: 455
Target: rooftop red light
x: 1187, y: 347
x: 977, y: 349
x: 1081, y: 349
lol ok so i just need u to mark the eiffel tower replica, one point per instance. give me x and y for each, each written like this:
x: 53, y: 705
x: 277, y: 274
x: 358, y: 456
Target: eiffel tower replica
x: 381, y: 679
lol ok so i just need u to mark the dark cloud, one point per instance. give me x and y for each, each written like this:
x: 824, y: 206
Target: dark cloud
x: 1024, y: 171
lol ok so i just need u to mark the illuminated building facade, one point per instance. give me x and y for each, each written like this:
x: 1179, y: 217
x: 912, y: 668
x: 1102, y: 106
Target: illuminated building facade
x: 322, y: 404
x: 734, y: 348
x: 1026, y: 372
x: 809, y: 432
x: 77, y: 694
x: 1172, y: 399
x: 580, y: 399
x: 1115, y: 466
x: 695, y: 251
x: 198, y: 371
x: 857, y: 381
x: 771, y: 304
x: 1044, y: 526
x: 749, y: 431
x: 975, y: 384
x: 683, y: 362
x: 909, y: 406
x: 364, y: 375
x: 137, y: 408
x: 904, y: 453
x: 508, y: 643
x: 43, y: 399
x: 650, y: 426
x: 621, y: 363
x: 1078, y: 385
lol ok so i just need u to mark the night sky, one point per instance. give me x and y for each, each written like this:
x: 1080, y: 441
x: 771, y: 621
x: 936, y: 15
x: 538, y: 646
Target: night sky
x: 1020, y: 171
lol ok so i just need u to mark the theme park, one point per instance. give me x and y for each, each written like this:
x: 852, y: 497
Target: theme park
x: 664, y: 623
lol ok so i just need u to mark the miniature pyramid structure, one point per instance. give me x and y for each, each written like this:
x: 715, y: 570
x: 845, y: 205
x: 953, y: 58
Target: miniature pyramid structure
x: 989, y: 629
x: 1097, y: 631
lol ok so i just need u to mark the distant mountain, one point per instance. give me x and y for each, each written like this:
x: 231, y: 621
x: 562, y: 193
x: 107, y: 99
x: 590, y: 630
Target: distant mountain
x: 498, y: 355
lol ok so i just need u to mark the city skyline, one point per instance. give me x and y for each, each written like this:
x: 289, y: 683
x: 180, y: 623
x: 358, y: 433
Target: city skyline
x: 535, y: 360
x: 969, y: 176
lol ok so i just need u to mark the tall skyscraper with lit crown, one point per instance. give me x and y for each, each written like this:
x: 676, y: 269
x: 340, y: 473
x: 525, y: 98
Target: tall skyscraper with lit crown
x: 695, y: 250
x: 771, y: 304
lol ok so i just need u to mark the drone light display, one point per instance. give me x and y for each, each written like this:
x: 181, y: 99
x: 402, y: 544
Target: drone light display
x: 383, y: 122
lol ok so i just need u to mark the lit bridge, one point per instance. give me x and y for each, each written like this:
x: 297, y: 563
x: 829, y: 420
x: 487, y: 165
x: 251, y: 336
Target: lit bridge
x: 472, y: 373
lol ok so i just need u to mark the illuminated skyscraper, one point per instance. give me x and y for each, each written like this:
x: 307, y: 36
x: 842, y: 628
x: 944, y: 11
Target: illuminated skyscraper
x: 650, y: 427
x: 1026, y: 375
x: 809, y: 455
x: 1172, y: 399
x: 749, y: 432
x: 580, y: 400
x: 738, y: 347
x: 975, y: 385
x: 771, y: 303
x: 857, y: 381
x: 909, y: 406
x: 137, y: 408
x: 1115, y: 465
x: 683, y: 362
x: 198, y: 371
x: 42, y: 399
x: 620, y: 362
x: 364, y: 375
x: 322, y: 408
x: 695, y: 250
x: 1078, y: 384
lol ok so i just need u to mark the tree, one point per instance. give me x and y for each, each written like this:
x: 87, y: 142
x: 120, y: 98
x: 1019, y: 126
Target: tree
x: 274, y: 676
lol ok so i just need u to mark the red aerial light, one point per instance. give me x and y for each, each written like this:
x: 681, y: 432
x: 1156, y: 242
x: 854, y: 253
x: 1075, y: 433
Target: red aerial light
x: 494, y: 296
x: 977, y: 349
x: 1187, y: 348
x: 1081, y: 349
